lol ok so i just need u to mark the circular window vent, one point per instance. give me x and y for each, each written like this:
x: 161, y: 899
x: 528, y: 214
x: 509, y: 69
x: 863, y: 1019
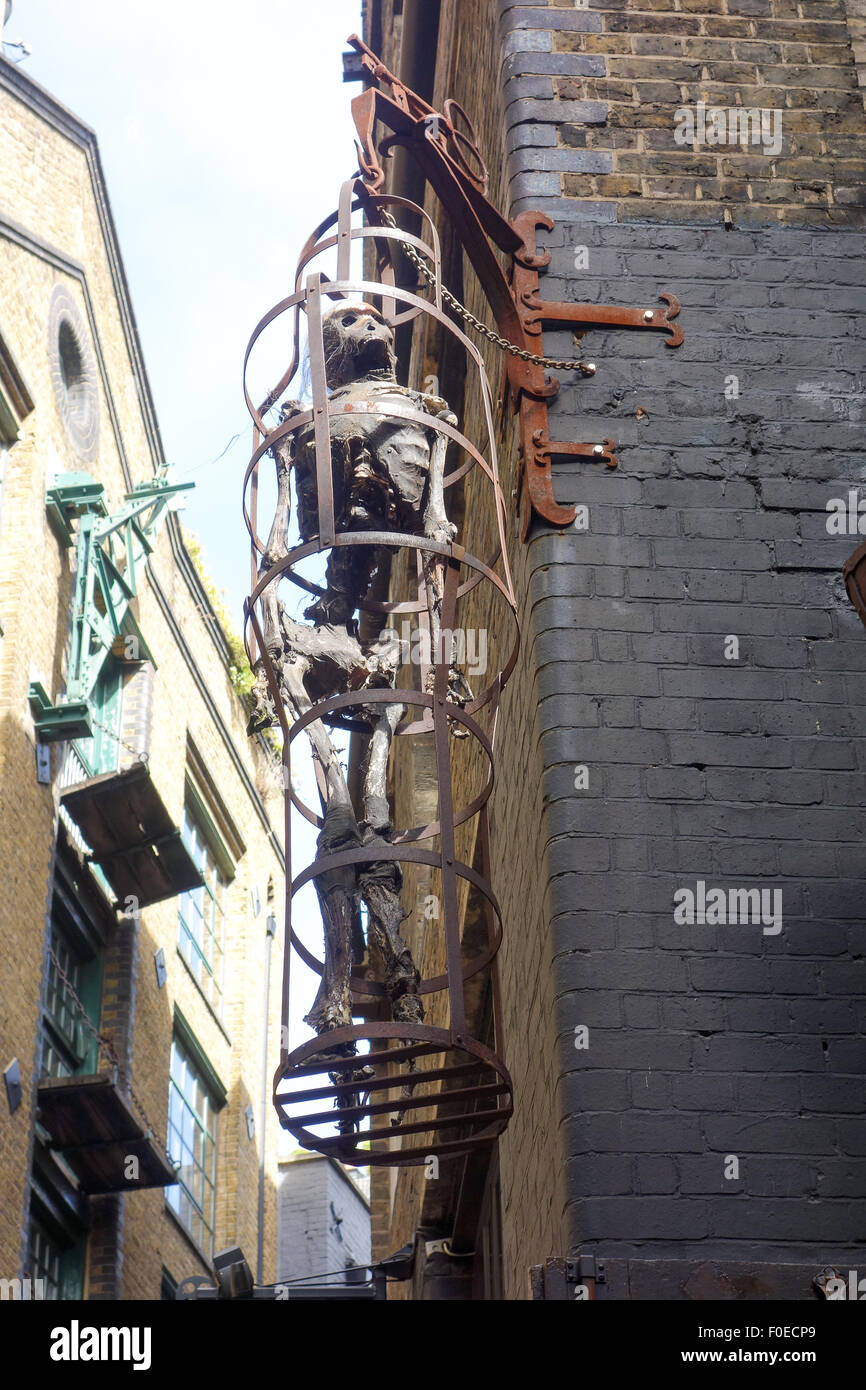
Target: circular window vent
x: 73, y: 371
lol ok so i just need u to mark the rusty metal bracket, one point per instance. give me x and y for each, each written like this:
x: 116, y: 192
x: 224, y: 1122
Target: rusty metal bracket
x: 534, y: 495
x: 445, y: 147
x: 540, y: 453
x: 854, y: 575
x: 544, y: 449
x: 601, y: 316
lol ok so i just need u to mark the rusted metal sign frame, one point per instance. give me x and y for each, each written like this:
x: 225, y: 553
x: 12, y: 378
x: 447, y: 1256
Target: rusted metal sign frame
x: 445, y: 147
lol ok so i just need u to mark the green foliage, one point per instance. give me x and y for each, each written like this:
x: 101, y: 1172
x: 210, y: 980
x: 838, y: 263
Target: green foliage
x: 239, y: 671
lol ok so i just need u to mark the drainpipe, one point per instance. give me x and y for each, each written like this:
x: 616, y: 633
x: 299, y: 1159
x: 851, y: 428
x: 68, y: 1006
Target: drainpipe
x: 270, y: 928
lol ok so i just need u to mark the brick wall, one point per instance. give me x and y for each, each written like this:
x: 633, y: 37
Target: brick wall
x: 709, y: 1041
x: 54, y: 228
x: 312, y: 1241
x: 603, y: 83
x: 706, y: 1043
x: 533, y: 1197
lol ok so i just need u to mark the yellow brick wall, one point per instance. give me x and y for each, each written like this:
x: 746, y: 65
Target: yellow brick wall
x: 531, y: 1162
x: 47, y: 188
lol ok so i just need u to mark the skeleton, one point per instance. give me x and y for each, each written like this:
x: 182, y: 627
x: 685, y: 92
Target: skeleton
x: 388, y: 473
x: 387, y: 476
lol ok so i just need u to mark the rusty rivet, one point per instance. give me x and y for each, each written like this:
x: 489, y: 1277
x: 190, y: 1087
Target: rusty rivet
x: 648, y: 315
x: 598, y: 449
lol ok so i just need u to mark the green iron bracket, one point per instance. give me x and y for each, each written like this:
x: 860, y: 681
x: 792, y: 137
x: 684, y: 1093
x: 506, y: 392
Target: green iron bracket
x: 73, y: 495
x: 70, y: 720
x: 109, y: 553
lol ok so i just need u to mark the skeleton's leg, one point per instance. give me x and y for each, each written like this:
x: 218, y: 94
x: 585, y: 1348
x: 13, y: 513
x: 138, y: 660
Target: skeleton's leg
x: 335, y: 887
x: 338, y: 902
x: 375, y: 793
x: 336, y: 890
x: 330, y: 776
x: 379, y: 884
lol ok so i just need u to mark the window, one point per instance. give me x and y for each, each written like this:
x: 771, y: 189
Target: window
x: 73, y: 372
x: 101, y: 753
x: 201, y: 914
x: 16, y: 401
x: 45, y: 1259
x: 73, y: 990
x: 191, y: 1142
x: 70, y: 1018
x: 56, y: 1260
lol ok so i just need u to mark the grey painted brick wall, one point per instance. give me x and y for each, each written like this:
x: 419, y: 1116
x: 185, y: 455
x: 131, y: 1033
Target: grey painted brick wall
x: 313, y: 1239
x: 707, y: 1041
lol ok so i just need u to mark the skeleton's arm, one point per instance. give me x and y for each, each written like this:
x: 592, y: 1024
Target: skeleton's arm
x: 437, y: 527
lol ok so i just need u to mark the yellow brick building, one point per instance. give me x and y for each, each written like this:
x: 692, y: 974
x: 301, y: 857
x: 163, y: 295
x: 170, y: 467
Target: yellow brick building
x: 141, y: 867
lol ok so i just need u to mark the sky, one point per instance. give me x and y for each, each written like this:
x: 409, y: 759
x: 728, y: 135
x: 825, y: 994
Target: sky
x: 224, y: 132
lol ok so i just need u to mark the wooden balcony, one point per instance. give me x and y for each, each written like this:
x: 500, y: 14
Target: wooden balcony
x: 93, y: 1125
x: 131, y: 836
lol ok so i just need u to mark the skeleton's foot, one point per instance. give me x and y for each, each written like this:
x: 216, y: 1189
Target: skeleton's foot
x: 405, y: 1091
x: 359, y: 1076
x: 342, y: 1052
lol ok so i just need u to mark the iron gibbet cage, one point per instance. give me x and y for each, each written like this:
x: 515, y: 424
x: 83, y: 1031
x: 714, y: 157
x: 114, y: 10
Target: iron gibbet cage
x: 462, y: 1082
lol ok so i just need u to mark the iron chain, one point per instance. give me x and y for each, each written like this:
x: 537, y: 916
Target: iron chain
x: 139, y: 754
x: 560, y: 363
